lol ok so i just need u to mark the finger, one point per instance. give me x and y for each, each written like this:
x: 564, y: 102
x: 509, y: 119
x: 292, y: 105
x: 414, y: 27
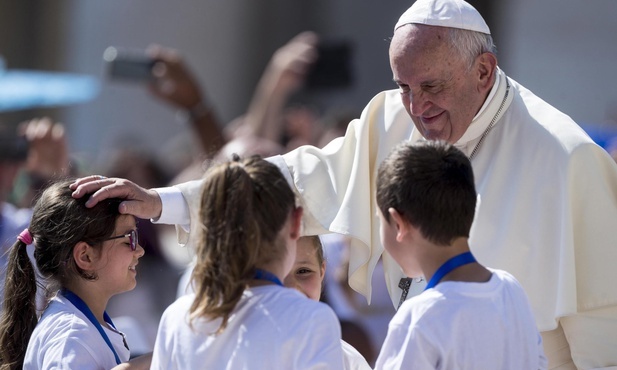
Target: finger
x: 57, y: 131
x: 154, y: 51
x: 132, y: 207
x: 107, y: 191
x: 43, y: 129
x: 159, y: 69
x: 30, y: 128
x: 90, y: 187
x: 83, y: 180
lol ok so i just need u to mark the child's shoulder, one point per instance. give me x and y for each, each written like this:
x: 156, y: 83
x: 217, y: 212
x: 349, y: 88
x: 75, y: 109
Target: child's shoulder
x: 292, y: 302
x: 62, y: 324
x: 505, y: 280
x: 60, y: 314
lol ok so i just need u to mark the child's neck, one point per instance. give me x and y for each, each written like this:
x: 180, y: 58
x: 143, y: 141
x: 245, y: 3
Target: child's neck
x: 438, y: 255
x: 92, y: 297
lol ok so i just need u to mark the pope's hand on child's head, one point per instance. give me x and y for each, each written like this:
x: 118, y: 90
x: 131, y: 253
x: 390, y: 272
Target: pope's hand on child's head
x: 139, y: 202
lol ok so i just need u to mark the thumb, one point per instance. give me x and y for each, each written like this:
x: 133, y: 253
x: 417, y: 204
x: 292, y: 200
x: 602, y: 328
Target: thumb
x: 147, y: 208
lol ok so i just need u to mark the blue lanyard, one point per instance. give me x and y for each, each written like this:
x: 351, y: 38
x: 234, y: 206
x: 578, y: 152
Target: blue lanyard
x: 266, y: 275
x: 449, y: 265
x: 83, y: 307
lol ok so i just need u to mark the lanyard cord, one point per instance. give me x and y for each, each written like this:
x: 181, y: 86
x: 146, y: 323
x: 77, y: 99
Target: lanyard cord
x: 267, y: 275
x: 83, y: 307
x: 449, y: 265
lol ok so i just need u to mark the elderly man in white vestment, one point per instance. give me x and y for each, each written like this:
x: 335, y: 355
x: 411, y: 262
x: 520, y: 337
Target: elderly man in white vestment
x: 548, y: 194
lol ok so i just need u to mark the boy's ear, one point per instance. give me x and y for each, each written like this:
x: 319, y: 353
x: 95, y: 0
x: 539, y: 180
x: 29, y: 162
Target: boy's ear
x: 401, y: 224
x: 84, y: 257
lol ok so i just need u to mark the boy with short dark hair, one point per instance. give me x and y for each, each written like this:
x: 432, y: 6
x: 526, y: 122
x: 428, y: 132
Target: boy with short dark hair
x: 469, y: 316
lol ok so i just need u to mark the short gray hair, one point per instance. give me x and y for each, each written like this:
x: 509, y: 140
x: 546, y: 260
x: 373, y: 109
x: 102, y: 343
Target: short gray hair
x: 470, y: 44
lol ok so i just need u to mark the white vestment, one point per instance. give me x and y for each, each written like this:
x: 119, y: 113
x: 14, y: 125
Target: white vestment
x: 548, y: 210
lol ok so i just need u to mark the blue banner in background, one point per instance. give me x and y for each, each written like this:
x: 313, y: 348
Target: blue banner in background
x: 604, y: 135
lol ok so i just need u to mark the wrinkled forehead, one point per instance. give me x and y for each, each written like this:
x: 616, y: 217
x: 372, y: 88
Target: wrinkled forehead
x: 419, y: 38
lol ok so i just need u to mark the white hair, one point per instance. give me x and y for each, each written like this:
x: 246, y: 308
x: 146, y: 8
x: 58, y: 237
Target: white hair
x: 470, y: 44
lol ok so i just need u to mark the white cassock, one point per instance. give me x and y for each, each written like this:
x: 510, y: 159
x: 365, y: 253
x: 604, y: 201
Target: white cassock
x: 548, y: 210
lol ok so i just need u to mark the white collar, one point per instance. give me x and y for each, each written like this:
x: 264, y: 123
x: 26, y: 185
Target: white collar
x: 487, y: 112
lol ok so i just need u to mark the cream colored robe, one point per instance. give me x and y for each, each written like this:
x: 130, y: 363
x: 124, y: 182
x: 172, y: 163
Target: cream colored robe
x: 548, y: 210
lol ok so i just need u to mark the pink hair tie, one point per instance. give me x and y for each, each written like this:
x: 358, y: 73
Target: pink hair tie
x: 25, y: 237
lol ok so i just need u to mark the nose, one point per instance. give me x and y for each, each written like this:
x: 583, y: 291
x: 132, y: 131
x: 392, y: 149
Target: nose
x: 140, y: 251
x: 417, y: 102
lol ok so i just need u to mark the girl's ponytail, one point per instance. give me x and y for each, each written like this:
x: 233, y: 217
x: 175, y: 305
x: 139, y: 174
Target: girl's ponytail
x: 18, y: 317
x: 244, y: 205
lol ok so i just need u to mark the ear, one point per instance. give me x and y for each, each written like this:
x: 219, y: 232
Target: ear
x: 401, y: 224
x: 84, y: 256
x: 486, y: 65
x: 296, y: 223
x: 323, y: 269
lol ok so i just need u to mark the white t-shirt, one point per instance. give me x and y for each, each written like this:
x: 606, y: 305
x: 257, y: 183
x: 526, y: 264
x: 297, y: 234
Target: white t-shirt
x: 353, y: 360
x: 64, y: 338
x: 270, y: 328
x: 461, y: 325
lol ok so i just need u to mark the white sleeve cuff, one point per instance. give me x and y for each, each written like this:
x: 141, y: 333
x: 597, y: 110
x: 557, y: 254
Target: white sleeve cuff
x: 175, y: 210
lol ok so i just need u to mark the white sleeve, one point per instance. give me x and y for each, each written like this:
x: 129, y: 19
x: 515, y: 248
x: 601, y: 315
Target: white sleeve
x: 174, y: 210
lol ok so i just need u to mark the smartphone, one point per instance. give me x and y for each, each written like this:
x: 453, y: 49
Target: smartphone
x: 333, y: 68
x: 128, y: 64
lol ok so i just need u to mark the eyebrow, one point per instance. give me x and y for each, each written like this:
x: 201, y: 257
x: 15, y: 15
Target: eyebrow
x: 304, y: 262
x: 423, y: 83
x: 432, y: 82
x: 126, y: 231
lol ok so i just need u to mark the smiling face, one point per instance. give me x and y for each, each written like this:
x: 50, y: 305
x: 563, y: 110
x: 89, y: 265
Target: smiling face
x: 440, y: 93
x: 116, y: 265
x: 308, y: 271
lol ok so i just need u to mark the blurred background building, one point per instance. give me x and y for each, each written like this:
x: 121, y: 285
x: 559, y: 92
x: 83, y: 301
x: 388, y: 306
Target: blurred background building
x: 563, y: 50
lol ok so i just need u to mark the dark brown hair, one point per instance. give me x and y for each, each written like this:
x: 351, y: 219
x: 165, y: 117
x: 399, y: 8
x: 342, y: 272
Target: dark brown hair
x: 431, y: 185
x: 58, y: 223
